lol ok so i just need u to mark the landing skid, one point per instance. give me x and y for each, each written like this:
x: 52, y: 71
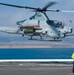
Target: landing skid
x: 32, y: 39
x: 46, y: 40
x: 58, y: 40
x: 55, y: 40
x: 51, y: 40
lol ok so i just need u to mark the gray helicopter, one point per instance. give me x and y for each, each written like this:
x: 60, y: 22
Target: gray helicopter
x: 39, y: 24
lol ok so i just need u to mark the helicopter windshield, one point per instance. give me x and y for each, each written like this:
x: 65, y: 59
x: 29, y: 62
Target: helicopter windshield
x: 56, y: 23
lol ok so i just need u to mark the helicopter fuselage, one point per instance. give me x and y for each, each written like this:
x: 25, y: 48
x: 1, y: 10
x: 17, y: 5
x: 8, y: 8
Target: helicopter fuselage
x: 39, y: 25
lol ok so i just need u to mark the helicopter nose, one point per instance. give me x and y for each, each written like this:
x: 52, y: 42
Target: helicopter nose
x: 71, y: 31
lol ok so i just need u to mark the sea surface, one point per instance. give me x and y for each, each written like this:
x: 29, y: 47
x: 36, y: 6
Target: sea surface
x: 36, y: 53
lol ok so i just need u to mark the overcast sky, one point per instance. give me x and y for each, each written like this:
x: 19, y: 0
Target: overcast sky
x: 10, y: 15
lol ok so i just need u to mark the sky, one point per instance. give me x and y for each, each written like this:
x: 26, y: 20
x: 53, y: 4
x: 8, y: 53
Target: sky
x: 10, y: 15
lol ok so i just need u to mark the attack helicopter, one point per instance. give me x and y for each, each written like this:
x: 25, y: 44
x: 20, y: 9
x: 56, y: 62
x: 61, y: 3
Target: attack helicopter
x: 39, y: 24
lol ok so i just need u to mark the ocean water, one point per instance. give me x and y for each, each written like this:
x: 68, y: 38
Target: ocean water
x: 36, y: 53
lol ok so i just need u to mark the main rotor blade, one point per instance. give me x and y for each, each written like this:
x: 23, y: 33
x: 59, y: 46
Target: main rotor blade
x: 38, y: 9
x: 48, y: 5
x: 17, y: 6
x: 66, y: 11
x: 53, y: 10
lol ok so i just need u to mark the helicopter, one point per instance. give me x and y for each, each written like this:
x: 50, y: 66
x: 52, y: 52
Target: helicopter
x: 39, y: 24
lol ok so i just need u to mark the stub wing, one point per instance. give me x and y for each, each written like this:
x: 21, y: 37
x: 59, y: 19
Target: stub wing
x: 30, y: 27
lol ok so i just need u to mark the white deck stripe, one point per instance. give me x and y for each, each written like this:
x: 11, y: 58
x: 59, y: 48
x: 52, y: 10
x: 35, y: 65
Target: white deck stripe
x: 38, y: 60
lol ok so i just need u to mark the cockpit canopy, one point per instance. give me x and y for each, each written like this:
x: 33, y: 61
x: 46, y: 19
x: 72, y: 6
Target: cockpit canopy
x: 56, y: 23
